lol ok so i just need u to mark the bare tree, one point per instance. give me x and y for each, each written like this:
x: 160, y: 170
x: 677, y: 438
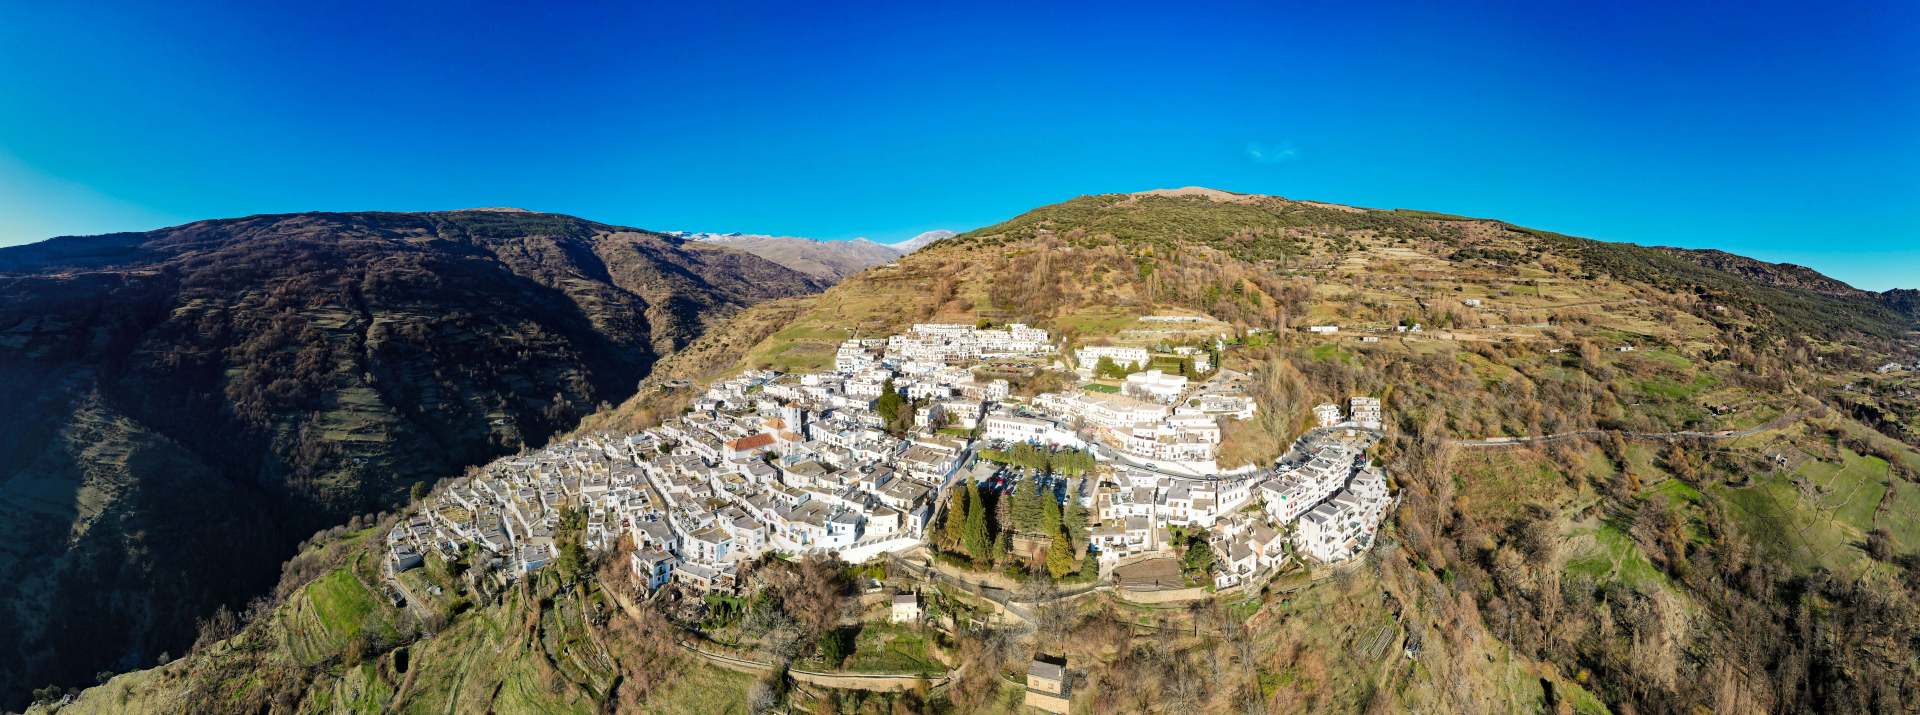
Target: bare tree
x: 762, y: 697
x: 1053, y: 615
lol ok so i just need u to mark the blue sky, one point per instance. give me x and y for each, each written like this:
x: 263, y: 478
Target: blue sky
x: 1789, y: 132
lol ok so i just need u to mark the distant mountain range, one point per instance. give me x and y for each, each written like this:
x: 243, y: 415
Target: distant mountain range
x: 918, y: 242
x: 829, y: 261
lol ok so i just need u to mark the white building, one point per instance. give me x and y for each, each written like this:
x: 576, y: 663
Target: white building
x: 1015, y: 429
x: 653, y: 567
x: 906, y: 608
x: 1090, y: 356
x: 1366, y: 411
x: 1327, y: 414
x: 1154, y: 384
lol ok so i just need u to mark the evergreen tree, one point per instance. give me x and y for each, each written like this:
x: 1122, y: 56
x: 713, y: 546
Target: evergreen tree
x: 573, y: 559
x: 1026, y: 507
x: 957, y: 516
x: 1002, y: 547
x: 1199, y: 556
x: 1072, y: 462
x: 1002, y: 513
x: 1049, y: 513
x: 1105, y: 367
x: 1024, y: 455
x: 979, y: 542
x: 1076, y: 521
x: 890, y: 403
x: 833, y: 647
x: 1060, y: 557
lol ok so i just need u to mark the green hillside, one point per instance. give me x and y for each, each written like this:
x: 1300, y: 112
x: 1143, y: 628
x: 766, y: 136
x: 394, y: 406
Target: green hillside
x: 1722, y: 521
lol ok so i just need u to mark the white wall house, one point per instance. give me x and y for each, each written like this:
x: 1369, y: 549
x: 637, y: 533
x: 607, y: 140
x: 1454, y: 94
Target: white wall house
x: 1155, y: 385
x: 1327, y: 414
x: 1090, y: 356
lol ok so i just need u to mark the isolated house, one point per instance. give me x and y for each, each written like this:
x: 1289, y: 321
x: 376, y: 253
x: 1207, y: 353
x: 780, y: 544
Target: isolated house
x: 906, y: 608
x: 1047, y: 685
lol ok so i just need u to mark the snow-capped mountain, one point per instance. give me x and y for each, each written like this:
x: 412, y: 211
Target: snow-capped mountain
x: 831, y: 261
x: 918, y: 242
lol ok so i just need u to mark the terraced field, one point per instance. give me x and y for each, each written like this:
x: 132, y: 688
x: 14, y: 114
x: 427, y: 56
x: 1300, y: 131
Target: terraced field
x: 1820, y: 513
x: 1607, y: 554
x: 332, y: 611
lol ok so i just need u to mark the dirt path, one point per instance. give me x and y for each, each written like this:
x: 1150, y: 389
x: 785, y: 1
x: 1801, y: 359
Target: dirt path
x: 857, y: 681
x: 853, y: 681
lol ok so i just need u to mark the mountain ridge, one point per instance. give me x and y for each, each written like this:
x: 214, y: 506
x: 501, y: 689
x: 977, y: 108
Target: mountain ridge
x: 317, y: 365
x: 923, y: 240
x: 828, y: 261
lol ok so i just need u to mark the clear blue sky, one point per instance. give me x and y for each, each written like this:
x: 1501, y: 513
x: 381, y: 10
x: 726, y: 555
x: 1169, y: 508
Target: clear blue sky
x: 1789, y: 132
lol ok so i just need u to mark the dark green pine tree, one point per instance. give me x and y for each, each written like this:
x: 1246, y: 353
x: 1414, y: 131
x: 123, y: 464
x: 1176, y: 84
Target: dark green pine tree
x: 891, y: 404
x: 957, y: 517
x: 979, y: 542
x: 1026, y: 508
x: 1060, y: 557
x: 1076, y: 521
x: 1049, y: 514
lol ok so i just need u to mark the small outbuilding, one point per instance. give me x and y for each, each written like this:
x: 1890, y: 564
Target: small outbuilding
x: 1047, y: 687
x: 906, y: 608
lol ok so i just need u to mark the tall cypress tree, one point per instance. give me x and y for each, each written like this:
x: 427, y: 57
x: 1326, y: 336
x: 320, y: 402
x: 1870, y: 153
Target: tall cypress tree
x: 957, y: 516
x: 1076, y: 521
x: 1026, y: 507
x: 979, y: 542
x: 1049, y: 514
x: 1060, y: 556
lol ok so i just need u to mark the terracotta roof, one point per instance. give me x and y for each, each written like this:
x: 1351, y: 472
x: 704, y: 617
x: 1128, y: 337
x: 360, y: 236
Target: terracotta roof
x: 759, y: 440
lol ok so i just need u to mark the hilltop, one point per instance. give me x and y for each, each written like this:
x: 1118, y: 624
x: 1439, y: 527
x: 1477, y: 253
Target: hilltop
x: 1517, y: 332
x: 178, y: 407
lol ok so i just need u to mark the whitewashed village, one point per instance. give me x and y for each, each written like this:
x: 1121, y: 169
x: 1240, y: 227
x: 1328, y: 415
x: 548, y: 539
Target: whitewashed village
x: 788, y: 464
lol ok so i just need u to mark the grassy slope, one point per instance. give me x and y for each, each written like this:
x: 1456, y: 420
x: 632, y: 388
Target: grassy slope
x: 489, y: 660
